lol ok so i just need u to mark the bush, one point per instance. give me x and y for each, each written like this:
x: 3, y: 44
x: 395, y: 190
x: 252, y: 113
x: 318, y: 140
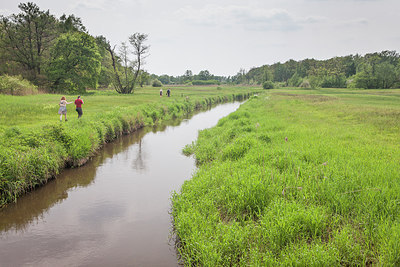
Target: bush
x: 305, y: 84
x: 295, y: 80
x: 16, y: 85
x: 315, y: 81
x: 333, y: 81
x: 156, y: 83
x: 268, y: 85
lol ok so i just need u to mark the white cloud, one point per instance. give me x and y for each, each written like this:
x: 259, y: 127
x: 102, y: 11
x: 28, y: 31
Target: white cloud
x: 103, y: 5
x: 91, y: 5
x: 243, y: 16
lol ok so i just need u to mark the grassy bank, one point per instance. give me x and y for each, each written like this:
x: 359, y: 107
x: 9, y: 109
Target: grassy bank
x: 35, y: 145
x: 298, y: 178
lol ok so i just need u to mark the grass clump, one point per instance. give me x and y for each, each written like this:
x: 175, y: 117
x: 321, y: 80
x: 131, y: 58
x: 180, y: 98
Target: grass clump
x: 35, y: 146
x: 296, y: 177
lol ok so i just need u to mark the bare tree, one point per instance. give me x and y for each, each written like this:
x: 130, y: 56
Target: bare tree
x: 140, y: 50
x: 131, y: 69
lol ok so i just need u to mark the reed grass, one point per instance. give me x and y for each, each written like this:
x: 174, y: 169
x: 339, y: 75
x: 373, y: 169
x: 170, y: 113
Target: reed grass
x: 35, y: 146
x: 296, y: 178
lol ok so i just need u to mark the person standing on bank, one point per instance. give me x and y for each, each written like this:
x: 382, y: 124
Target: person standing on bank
x: 63, y: 108
x: 161, y: 92
x: 78, y: 104
x: 168, y: 92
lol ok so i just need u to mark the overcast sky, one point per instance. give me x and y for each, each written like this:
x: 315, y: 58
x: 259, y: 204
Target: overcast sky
x: 223, y: 36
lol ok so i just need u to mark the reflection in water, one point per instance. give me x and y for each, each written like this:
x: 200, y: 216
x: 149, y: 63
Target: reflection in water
x: 111, y: 211
x: 139, y: 162
x: 30, y: 207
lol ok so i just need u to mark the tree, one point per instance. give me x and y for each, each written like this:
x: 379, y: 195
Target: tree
x: 386, y: 75
x: 295, y: 80
x: 28, y: 35
x: 204, y: 75
x: 107, y: 73
x: 75, y: 63
x: 131, y: 68
x: 165, y: 79
x: 127, y: 65
x: 144, y: 78
x: 240, y: 77
x: 137, y: 40
x: 188, y: 76
x: 281, y: 72
x: 71, y: 24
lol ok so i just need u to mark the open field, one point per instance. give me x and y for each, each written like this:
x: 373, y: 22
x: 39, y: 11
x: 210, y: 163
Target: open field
x: 35, y: 145
x: 42, y: 108
x: 296, y: 178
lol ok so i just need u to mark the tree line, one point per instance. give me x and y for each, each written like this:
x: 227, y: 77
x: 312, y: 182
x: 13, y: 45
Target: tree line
x: 373, y: 70
x: 59, y: 55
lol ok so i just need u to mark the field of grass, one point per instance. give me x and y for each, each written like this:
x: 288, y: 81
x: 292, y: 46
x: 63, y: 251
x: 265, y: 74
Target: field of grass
x: 35, y: 145
x: 296, y: 178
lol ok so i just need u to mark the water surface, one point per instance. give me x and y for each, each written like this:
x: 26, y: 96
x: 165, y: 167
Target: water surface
x: 114, y: 211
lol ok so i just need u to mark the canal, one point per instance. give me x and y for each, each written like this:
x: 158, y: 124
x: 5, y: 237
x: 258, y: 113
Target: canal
x: 113, y: 211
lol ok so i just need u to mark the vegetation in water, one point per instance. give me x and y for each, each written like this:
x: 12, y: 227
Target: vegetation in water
x: 296, y: 178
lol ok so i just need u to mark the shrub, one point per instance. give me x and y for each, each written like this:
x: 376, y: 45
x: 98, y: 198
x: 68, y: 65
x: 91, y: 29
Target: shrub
x: 333, y: 81
x: 295, y: 80
x: 16, y: 85
x: 305, y: 84
x: 268, y: 85
x: 156, y: 83
x: 315, y: 81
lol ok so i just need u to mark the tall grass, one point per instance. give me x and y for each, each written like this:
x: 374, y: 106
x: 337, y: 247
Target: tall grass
x: 296, y: 177
x: 35, y: 146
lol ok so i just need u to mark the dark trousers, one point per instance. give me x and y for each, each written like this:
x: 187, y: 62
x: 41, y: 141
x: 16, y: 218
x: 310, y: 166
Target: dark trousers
x: 79, y: 110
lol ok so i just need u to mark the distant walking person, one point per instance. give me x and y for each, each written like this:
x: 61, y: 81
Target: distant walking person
x: 78, y: 104
x: 168, y: 92
x: 63, y: 108
x: 161, y: 92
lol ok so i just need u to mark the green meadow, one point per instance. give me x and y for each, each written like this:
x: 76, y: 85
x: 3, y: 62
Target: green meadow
x: 296, y: 178
x: 35, y: 146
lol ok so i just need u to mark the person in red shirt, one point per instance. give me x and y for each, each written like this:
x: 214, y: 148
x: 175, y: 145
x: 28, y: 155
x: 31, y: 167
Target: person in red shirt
x: 78, y: 104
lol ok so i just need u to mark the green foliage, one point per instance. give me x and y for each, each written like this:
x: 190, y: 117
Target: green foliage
x: 205, y: 82
x: 27, y: 36
x: 156, y: 83
x: 35, y: 146
x: 376, y: 70
x: 295, y: 80
x: 333, y: 81
x: 268, y: 85
x: 16, y: 85
x: 314, y: 81
x: 75, y: 63
x: 271, y: 191
x: 380, y: 75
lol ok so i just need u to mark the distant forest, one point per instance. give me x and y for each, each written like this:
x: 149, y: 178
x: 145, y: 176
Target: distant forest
x: 59, y: 55
x: 374, y: 70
